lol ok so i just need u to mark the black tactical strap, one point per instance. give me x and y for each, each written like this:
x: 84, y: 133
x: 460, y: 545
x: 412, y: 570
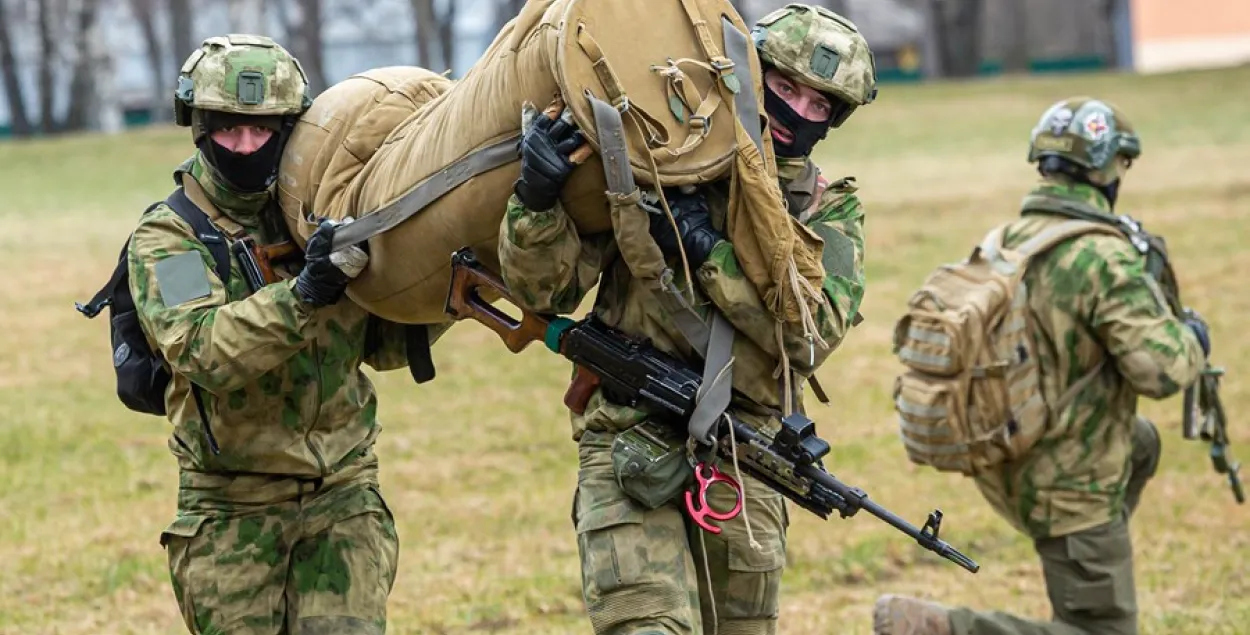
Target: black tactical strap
x: 417, y: 346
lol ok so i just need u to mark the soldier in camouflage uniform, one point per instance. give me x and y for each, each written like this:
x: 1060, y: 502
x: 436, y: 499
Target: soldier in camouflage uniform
x: 281, y: 527
x: 647, y: 570
x: 1102, y: 314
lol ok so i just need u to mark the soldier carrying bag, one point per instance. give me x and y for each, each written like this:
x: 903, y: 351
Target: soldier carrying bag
x: 971, y: 396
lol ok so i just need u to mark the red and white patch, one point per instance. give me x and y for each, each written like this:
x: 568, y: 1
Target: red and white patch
x: 1095, y: 126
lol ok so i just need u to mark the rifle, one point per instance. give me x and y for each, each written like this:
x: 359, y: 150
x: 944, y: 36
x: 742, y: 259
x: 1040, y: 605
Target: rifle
x: 1202, y: 401
x: 633, y: 372
x: 257, y: 261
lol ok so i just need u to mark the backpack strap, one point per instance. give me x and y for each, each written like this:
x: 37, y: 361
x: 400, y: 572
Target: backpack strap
x: 205, y: 231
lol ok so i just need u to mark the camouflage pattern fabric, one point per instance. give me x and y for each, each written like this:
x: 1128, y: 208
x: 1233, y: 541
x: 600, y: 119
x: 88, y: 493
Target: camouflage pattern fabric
x: 302, y: 543
x: 819, y: 48
x: 281, y: 383
x: 1088, y: 573
x: 644, y: 569
x: 257, y: 555
x: 242, y: 74
x: 1092, y: 298
x: 550, y: 268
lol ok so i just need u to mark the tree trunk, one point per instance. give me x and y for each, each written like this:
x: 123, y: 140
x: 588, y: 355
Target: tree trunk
x: 180, y: 27
x: 1016, y: 59
x: 143, y: 12
x: 82, y: 89
x: 304, y: 27
x: 447, y: 34
x: 12, y: 85
x: 47, y: 55
x: 107, y: 116
x: 425, y: 31
x: 960, y: 36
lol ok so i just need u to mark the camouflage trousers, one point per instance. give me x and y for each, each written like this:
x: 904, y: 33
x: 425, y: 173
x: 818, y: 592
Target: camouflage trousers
x: 261, y: 555
x: 1089, y: 573
x: 653, y: 572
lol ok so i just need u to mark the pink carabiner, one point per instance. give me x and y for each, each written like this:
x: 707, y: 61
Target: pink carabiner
x: 701, y: 510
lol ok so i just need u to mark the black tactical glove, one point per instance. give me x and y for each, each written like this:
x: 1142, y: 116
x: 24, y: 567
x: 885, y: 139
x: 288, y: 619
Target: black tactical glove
x: 694, y: 227
x: 321, y: 283
x: 1199, y: 327
x: 545, y: 164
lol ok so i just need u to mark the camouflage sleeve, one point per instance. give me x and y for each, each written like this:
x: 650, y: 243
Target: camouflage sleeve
x: 392, y: 350
x: 839, y: 221
x: 547, y: 266
x: 1153, y: 350
x: 185, y: 311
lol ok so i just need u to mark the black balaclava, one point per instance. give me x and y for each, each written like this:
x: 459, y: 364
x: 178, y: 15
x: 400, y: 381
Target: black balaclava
x: 806, y: 133
x: 1058, y: 165
x: 244, y: 173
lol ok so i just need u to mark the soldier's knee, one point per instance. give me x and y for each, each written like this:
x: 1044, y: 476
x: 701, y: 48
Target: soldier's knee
x: 635, y: 572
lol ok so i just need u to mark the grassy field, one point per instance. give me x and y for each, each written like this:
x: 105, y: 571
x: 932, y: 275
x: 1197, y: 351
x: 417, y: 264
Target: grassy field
x: 478, y: 466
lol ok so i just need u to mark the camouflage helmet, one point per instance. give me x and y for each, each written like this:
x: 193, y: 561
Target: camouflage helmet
x: 1087, y: 132
x: 820, y: 49
x: 240, y: 74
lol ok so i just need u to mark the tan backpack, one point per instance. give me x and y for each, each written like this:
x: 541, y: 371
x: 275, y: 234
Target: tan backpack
x: 971, y: 396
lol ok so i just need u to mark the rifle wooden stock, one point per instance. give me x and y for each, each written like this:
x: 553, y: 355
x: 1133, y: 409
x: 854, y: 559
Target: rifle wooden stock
x: 465, y: 301
x: 268, y: 255
x: 580, y: 389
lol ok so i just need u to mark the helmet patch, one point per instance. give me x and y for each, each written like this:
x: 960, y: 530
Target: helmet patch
x: 1060, y: 120
x: 824, y: 62
x: 251, y: 88
x: 1095, y: 126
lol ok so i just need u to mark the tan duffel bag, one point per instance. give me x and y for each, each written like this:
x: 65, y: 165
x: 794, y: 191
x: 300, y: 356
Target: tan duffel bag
x: 441, y: 179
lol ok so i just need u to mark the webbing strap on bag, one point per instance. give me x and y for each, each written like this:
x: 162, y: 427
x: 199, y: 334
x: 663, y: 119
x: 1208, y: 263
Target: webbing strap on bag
x: 428, y: 191
x: 713, y: 343
x: 737, y: 48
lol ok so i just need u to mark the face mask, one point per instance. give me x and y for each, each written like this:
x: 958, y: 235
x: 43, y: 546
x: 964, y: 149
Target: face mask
x: 805, y: 132
x: 244, y: 173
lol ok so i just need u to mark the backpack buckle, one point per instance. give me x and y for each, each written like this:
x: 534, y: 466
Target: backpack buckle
x: 92, y: 310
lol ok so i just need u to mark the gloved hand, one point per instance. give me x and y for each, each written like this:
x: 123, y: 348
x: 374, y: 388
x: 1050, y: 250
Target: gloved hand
x: 325, y: 275
x: 694, y: 227
x: 545, y: 164
x: 1200, y: 329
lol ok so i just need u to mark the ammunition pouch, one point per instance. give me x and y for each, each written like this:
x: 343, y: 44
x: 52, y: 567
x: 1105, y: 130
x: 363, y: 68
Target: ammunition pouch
x: 650, y: 464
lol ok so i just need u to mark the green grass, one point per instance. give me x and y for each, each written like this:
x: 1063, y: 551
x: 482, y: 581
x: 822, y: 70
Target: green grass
x: 478, y: 465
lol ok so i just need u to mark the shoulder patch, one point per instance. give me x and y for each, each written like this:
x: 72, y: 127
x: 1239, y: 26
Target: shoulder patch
x: 838, y: 256
x: 182, y: 278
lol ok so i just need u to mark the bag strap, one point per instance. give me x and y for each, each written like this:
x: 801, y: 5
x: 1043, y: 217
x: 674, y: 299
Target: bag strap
x: 388, y: 216
x: 205, y: 231
x: 1077, y: 386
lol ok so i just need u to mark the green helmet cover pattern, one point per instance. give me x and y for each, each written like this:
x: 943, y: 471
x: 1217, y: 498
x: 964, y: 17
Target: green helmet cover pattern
x: 820, y: 49
x: 240, y: 74
x: 1086, y: 131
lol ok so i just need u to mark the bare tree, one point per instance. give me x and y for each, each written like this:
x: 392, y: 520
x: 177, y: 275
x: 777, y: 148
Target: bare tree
x: 12, y: 84
x: 426, y: 31
x: 180, y: 29
x: 82, y: 93
x: 958, y: 31
x: 304, y: 29
x: 47, y: 58
x: 143, y: 11
x: 447, y: 33
x: 1016, y: 57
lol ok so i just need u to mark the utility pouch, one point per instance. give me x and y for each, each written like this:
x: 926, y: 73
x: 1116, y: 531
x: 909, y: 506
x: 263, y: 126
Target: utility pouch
x: 650, y: 464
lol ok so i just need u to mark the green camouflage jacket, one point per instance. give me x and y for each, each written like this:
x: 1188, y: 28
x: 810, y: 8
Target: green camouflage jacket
x: 281, y: 382
x: 1096, y: 305
x: 549, y: 268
